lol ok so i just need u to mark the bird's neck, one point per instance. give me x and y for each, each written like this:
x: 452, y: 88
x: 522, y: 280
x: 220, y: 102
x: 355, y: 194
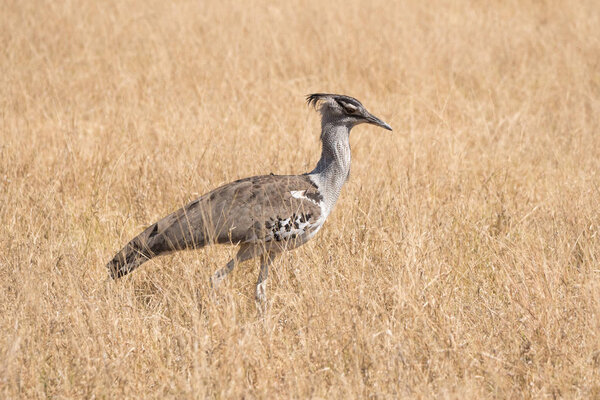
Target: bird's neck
x: 333, y: 167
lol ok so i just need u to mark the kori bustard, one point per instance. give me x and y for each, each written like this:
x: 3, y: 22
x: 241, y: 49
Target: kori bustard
x: 264, y: 215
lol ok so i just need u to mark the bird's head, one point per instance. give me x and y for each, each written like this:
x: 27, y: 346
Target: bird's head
x: 343, y: 110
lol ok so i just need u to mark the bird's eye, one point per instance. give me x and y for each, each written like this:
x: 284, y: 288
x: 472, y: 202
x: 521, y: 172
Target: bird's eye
x: 350, y: 109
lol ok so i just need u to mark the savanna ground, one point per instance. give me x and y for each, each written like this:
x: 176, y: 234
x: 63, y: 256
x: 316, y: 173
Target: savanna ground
x: 462, y: 259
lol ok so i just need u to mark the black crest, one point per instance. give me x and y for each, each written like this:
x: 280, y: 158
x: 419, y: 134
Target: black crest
x: 315, y: 98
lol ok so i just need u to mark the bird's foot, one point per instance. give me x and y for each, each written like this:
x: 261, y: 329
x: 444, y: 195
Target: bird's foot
x: 215, y: 281
x: 261, y: 297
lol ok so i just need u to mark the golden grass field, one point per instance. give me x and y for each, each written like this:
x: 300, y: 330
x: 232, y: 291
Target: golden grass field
x: 462, y: 259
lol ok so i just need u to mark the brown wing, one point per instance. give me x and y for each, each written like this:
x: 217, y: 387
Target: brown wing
x: 252, y: 209
x: 247, y: 210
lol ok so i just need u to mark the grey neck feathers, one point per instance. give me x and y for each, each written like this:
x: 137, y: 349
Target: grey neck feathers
x: 333, y: 168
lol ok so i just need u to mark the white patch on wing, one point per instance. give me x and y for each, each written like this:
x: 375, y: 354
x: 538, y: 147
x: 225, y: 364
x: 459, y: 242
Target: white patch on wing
x: 300, y: 194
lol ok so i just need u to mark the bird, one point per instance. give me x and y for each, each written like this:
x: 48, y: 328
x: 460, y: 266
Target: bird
x: 262, y: 215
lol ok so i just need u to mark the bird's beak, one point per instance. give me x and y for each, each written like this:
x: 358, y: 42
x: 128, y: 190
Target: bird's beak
x: 371, y: 119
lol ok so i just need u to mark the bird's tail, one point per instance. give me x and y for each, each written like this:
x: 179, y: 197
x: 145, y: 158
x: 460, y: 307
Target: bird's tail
x: 135, y: 253
x: 184, y: 229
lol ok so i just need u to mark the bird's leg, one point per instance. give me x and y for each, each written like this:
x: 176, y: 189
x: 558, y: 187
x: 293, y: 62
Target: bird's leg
x: 244, y: 253
x: 261, y: 284
x: 222, y: 273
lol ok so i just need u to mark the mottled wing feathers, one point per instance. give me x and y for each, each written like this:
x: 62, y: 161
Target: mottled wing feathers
x: 252, y: 210
x: 243, y: 211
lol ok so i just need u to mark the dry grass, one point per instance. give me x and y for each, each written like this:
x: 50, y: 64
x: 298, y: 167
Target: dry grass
x: 461, y: 260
